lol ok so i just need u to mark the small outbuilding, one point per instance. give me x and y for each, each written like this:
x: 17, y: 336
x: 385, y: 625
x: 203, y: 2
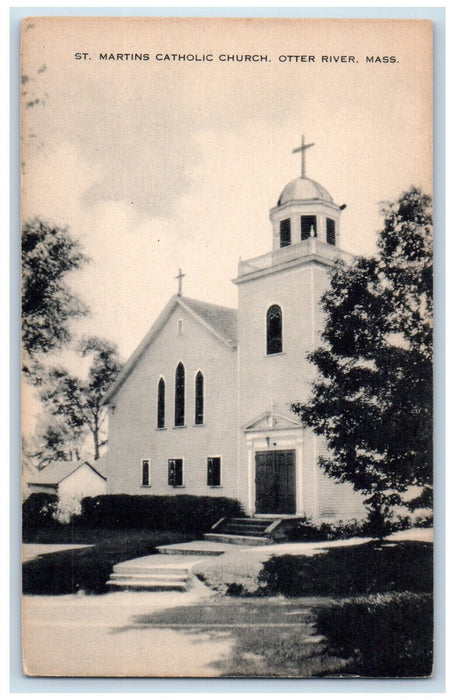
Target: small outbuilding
x: 70, y: 479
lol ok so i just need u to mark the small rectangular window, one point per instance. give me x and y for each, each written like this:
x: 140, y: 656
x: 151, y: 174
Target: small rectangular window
x: 175, y: 472
x: 308, y: 223
x: 145, y: 468
x: 285, y: 233
x: 214, y: 471
x: 330, y: 231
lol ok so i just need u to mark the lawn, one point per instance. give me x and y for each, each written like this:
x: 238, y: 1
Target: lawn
x: 378, y: 624
x: 371, y: 567
x: 87, y: 569
x: 351, y: 569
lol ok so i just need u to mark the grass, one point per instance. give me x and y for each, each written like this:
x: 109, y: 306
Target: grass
x: 88, y: 569
x: 338, y: 571
x: 372, y: 567
x: 266, y: 639
x: 285, y: 653
x: 377, y: 636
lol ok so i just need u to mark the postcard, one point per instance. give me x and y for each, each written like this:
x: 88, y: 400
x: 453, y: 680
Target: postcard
x: 227, y: 347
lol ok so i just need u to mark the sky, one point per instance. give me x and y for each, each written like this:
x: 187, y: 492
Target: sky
x: 160, y: 165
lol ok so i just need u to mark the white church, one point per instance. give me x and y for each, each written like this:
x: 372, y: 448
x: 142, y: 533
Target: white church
x: 202, y: 406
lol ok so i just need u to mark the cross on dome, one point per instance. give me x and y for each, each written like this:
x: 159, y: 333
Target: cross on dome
x: 301, y: 149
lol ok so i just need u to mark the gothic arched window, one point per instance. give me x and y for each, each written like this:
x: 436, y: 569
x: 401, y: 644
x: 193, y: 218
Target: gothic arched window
x: 179, y: 395
x: 161, y: 403
x: 274, y: 330
x: 199, y: 399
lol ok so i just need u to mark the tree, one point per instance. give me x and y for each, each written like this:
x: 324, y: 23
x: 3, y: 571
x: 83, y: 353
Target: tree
x: 372, y: 399
x: 54, y: 440
x: 78, y: 401
x: 49, y: 253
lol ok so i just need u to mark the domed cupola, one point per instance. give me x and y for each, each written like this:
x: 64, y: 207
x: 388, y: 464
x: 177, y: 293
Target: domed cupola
x: 305, y: 210
x: 302, y: 188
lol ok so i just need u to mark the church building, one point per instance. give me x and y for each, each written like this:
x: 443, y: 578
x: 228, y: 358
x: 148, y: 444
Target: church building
x: 203, y: 405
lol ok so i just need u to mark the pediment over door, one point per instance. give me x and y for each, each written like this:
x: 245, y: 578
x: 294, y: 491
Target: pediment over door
x: 271, y: 421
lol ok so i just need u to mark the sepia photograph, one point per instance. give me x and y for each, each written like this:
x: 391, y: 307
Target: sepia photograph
x: 227, y: 347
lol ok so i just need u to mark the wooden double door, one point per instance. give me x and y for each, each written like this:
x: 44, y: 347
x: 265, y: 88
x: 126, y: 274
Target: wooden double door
x: 275, y: 482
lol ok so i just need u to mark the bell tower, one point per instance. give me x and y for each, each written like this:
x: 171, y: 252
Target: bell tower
x: 279, y: 323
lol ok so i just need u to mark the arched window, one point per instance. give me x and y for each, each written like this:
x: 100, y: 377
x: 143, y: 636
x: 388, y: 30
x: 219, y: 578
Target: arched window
x: 161, y: 403
x: 199, y: 399
x: 179, y: 395
x: 274, y: 330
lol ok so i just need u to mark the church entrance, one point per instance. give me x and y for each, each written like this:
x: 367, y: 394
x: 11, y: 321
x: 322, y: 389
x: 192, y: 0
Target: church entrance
x: 275, y: 482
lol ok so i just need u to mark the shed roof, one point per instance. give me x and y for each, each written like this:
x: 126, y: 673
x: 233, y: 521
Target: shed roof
x: 55, y: 472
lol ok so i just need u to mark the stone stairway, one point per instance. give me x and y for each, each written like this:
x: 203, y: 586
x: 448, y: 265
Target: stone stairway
x: 171, y: 569
x: 246, y: 531
x: 152, y: 574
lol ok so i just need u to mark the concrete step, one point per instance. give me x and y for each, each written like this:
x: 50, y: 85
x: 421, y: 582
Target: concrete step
x: 148, y: 584
x: 151, y: 576
x: 253, y: 521
x: 196, y: 548
x: 145, y: 576
x: 245, y: 523
x: 244, y: 527
x: 246, y: 540
x: 191, y: 552
x: 241, y: 529
x: 135, y: 569
x: 153, y: 572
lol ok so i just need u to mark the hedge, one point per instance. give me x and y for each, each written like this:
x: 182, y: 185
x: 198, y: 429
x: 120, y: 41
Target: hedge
x: 382, y: 636
x: 186, y: 513
x: 194, y: 514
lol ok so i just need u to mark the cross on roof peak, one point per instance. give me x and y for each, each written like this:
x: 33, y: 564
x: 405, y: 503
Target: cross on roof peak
x: 301, y: 149
x: 180, y: 277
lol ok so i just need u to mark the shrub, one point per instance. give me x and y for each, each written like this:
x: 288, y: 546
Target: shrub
x: 305, y: 530
x: 194, y: 514
x: 236, y: 590
x: 38, y: 511
x: 382, y: 636
x: 366, y: 568
x: 67, y: 508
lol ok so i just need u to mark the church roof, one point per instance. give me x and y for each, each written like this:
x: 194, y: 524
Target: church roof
x: 56, y: 472
x: 303, y: 188
x: 221, y: 321
x: 221, y: 318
